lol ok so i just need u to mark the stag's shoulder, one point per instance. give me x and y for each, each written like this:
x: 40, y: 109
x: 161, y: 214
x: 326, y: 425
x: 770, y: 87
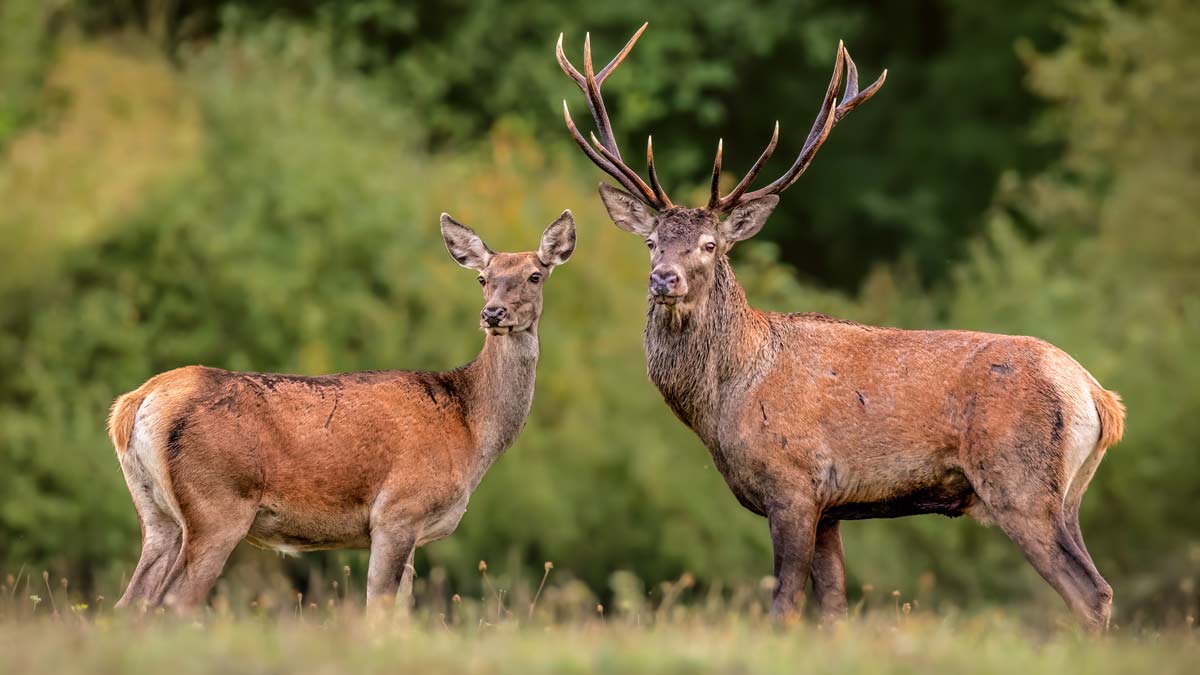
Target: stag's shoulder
x: 819, y: 320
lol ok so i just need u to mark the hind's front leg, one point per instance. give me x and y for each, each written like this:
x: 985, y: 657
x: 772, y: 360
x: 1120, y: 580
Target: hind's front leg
x: 391, y: 557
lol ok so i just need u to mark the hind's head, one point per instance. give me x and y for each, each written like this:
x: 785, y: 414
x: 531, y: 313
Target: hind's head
x: 512, y: 282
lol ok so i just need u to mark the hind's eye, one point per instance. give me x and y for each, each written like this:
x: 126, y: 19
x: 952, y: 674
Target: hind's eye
x: 710, y: 247
x: 481, y: 281
x: 535, y: 277
x: 649, y: 244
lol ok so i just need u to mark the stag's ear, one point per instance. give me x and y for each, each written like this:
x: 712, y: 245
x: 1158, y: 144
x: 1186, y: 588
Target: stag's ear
x: 464, y: 245
x: 628, y: 212
x: 746, y: 220
x: 558, y: 241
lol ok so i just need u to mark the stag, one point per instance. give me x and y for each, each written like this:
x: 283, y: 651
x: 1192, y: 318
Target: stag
x: 385, y: 460
x: 813, y: 420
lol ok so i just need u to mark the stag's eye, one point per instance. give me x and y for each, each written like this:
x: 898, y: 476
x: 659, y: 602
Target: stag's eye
x: 481, y: 280
x: 535, y: 277
x: 710, y: 247
x: 650, y: 244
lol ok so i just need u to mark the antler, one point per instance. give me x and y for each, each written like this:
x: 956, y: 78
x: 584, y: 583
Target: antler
x: 606, y: 154
x: 829, y: 115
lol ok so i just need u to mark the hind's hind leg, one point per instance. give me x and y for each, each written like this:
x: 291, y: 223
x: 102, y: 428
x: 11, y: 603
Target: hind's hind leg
x: 160, y: 548
x: 210, y: 535
x: 161, y: 540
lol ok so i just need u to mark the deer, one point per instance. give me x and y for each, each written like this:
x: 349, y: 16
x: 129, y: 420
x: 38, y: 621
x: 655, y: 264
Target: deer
x: 385, y: 460
x: 812, y: 420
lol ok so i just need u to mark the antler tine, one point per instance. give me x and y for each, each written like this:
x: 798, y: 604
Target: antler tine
x: 574, y: 74
x: 715, y: 198
x: 565, y: 64
x: 850, y: 102
x: 605, y: 153
x: 816, y: 136
x: 659, y: 193
x: 640, y: 187
x: 596, y: 102
x: 851, y: 89
x: 732, y: 198
x: 616, y: 61
x: 597, y: 159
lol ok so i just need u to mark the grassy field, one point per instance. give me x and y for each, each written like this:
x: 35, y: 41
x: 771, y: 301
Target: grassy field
x: 560, y: 630
x: 872, y: 645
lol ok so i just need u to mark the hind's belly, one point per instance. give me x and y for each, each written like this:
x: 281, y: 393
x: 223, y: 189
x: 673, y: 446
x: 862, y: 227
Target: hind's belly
x: 291, y: 532
x: 442, y: 522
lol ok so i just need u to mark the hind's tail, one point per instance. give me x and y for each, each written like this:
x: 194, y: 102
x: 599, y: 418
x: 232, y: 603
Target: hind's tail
x: 121, y: 418
x: 1112, y: 416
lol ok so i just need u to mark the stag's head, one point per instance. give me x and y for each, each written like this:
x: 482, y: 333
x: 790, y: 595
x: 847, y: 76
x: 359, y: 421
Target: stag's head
x: 686, y: 244
x: 511, y: 282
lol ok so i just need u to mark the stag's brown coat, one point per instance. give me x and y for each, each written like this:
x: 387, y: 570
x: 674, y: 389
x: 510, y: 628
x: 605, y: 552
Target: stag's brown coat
x: 813, y: 420
x: 382, y: 459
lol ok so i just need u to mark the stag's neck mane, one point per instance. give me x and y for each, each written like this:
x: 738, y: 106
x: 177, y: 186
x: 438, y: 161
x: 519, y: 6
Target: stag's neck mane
x: 714, y: 352
x: 498, y: 387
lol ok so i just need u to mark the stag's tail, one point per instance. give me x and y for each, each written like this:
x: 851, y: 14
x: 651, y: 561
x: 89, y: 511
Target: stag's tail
x: 1112, y: 415
x: 121, y: 418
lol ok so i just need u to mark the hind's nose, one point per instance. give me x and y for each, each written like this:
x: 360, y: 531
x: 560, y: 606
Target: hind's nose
x: 492, y: 316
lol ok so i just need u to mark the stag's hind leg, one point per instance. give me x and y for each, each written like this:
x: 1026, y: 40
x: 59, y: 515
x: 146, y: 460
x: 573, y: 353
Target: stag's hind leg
x: 829, y: 572
x: 1074, y: 499
x: 1035, y: 520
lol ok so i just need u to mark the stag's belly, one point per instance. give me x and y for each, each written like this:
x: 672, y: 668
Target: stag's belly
x: 855, y: 498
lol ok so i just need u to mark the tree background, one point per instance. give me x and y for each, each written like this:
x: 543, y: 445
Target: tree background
x: 255, y: 185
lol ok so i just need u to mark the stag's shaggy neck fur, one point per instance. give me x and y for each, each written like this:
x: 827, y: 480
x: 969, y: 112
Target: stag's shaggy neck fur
x: 691, y: 357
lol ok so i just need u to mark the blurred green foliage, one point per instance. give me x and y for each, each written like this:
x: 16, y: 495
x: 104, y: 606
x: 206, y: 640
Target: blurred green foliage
x: 258, y: 188
x: 897, y: 181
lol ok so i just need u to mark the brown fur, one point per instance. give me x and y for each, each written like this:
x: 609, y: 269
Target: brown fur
x: 812, y: 420
x: 380, y: 459
x: 120, y: 418
x: 1112, y: 416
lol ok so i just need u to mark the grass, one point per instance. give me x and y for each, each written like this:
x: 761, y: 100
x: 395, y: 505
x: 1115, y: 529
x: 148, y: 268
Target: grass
x: 553, y: 628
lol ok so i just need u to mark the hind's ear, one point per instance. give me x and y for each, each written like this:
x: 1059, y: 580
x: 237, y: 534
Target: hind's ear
x: 627, y: 211
x: 558, y: 241
x: 747, y: 219
x: 464, y: 245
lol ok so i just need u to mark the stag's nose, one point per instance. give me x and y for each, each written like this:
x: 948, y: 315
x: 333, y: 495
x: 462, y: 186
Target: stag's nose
x: 663, y: 282
x: 492, y: 316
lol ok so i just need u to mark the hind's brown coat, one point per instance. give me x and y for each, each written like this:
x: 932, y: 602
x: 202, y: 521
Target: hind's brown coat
x: 379, y: 459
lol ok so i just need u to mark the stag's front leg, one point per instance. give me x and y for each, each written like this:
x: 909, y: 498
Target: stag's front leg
x: 793, y: 536
x: 829, y: 572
